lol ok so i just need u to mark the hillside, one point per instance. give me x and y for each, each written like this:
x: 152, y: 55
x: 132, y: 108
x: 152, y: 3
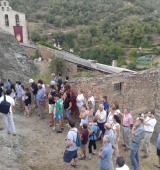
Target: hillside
x: 95, y: 29
x: 14, y: 61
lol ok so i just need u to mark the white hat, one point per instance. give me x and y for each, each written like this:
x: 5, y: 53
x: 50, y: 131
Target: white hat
x: 31, y: 80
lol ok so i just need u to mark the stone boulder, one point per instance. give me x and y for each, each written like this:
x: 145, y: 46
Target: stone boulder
x: 15, y: 64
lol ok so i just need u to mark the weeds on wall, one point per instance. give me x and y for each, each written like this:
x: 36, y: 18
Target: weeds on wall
x: 57, y: 65
x: 84, y: 74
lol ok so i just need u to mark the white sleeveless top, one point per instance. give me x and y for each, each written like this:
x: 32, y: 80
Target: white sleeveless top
x: 114, y: 129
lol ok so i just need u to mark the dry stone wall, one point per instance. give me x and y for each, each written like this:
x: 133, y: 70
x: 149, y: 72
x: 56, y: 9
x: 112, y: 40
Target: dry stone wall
x: 138, y: 91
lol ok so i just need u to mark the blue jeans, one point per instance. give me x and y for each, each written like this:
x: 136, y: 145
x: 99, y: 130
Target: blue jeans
x: 68, y: 112
x: 101, y: 127
x: 134, y: 156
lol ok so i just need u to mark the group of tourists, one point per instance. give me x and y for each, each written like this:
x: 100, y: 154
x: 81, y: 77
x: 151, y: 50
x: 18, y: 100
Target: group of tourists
x: 105, y: 123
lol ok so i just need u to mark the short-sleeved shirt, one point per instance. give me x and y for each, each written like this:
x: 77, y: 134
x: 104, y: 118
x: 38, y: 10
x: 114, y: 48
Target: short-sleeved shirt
x: 35, y: 88
x: 158, y: 142
x: 51, y: 101
x: 80, y: 97
x: 106, y: 106
x: 111, y: 135
x: 102, y: 115
x: 28, y: 100
x: 127, y: 120
x: 124, y: 167
x: 19, y: 91
x: 59, y: 106
x: 93, y: 136
x: 84, y: 136
x: 10, y: 100
x: 106, y: 155
x: 72, y: 135
x: 152, y: 122
x: 66, y: 103
x: 91, y: 99
x: 138, y: 134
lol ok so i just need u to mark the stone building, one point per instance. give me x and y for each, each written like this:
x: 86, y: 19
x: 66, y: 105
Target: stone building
x: 14, y: 22
x: 75, y: 64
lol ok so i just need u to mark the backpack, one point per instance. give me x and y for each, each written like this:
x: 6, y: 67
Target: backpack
x: 78, y: 139
x: 4, y: 106
x: 98, y: 133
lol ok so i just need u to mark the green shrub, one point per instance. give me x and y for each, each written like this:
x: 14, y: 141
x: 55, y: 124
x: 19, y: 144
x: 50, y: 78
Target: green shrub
x: 47, y: 45
x: 57, y: 65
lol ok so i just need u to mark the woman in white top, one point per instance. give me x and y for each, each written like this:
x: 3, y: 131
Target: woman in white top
x: 111, y: 114
x: 80, y: 100
x: 83, y: 116
x: 116, y: 105
x: 116, y: 128
x: 13, y: 94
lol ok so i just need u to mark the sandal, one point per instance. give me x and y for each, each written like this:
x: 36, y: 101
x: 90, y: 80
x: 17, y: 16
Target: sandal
x: 73, y: 165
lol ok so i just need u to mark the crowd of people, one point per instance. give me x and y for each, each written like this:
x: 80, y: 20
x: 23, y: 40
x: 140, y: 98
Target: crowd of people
x: 104, y: 124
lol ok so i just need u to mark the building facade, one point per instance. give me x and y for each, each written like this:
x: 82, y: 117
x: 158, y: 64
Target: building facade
x: 14, y: 22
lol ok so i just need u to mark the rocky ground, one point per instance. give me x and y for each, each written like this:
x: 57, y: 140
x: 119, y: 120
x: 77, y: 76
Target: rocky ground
x: 37, y: 147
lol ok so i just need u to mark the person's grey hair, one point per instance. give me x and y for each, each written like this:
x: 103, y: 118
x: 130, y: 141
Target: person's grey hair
x: 91, y: 92
x: 53, y: 74
x: 101, y: 105
x: 107, y: 138
x: 128, y: 109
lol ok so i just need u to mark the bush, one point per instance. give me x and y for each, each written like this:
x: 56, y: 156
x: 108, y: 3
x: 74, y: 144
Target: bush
x: 47, y: 45
x: 57, y: 65
x: 132, y: 66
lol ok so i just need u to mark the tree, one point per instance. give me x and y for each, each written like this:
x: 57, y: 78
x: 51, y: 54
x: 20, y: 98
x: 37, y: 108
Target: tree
x: 35, y: 37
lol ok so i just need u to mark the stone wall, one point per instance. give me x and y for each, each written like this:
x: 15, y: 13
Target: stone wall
x: 30, y: 51
x: 45, y: 52
x: 138, y: 91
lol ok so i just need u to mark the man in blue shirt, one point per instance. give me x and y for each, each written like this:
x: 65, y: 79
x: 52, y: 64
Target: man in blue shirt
x: 106, y: 104
x: 8, y: 84
x: 19, y: 95
x: 158, y: 151
x: 40, y: 100
x: 105, y: 154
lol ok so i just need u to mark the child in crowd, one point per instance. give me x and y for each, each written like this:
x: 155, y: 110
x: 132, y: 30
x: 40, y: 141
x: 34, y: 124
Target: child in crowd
x: 92, y: 137
x: 27, y: 101
x: 51, y: 103
x: 84, y: 138
x: 59, y: 112
x: 83, y: 116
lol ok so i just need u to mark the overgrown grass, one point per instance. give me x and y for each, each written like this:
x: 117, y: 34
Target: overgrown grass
x: 33, y: 167
x: 47, y: 45
x: 46, y: 78
x: 84, y: 74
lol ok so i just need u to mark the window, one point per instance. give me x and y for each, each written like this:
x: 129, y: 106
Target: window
x: 4, y: 3
x: 2, y: 8
x: 17, y: 19
x: 118, y: 87
x: 6, y: 20
x: 7, y: 8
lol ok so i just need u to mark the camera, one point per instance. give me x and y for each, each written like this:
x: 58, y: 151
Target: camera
x: 140, y: 114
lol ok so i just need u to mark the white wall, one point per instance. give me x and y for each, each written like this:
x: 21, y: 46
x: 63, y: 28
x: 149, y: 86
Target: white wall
x: 12, y: 21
